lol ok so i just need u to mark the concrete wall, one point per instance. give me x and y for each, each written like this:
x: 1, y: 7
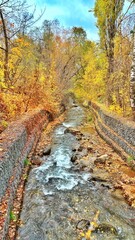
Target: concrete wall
x: 117, y: 131
x: 16, y: 143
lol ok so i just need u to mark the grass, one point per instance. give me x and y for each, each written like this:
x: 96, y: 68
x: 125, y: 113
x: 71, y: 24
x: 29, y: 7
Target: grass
x: 130, y: 158
x: 12, y: 216
x: 27, y: 162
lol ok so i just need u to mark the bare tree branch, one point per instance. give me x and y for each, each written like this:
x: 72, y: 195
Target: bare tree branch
x: 3, y: 3
x: 3, y: 49
x: 123, y: 17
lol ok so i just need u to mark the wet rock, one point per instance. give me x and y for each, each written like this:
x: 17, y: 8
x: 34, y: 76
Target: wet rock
x: 101, y: 176
x: 47, y: 150
x: 106, y: 228
x: 36, y: 160
x: 88, y: 169
x: 107, y: 185
x: 76, y: 168
x: 82, y: 154
x: 102, y: 159
x: 75, y: 105
x: 92, y: 159
x: 87, y: 145
x: 74, y: 131
x: 80, y: 149
x: 74, y: 158
x: 86, y: 162
x: 90, y: 147
x: 75, y: 147
x: 79, y: 137
x: 83, y: 224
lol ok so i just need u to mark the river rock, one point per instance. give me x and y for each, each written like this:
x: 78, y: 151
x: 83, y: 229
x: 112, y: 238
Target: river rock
x: 74, y: 158
x: 102, y: 159
x: 88, y: 169
x: 47, y: 150
x: 83, y: 153
x: 36, y: 160
x: 44, y: 151
x: 87, y: 162
x: 105, y: 227
x: 83, y: 224
x: 84, y: 162
x: 101, y: 176
x: 74, y: 131
x: 90, y: 147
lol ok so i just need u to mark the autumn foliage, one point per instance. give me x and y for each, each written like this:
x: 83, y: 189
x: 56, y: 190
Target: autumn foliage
x: 39, y: 65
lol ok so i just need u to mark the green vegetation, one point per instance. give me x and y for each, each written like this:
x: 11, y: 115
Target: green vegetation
x: 12, y: 216
x: 27, y: 162
x: 130, y: 158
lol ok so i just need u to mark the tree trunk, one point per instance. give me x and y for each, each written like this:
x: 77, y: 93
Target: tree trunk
x: 6, y: 47
x: 110, y: 56
x: 132, y: 79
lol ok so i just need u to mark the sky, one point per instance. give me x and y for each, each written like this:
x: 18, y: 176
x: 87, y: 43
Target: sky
x: 70, y: 13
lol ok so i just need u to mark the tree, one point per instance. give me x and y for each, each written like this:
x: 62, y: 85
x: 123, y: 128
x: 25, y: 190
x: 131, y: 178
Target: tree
x: 6, y: 48
x: 90, y: 85
x: 79, y: 34
x: 132, y: 79
x: 14, y: 19
x: 108, y: 14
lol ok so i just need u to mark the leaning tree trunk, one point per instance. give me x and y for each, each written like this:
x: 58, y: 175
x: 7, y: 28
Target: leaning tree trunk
x: 6, y: 47
x: 132, y: 79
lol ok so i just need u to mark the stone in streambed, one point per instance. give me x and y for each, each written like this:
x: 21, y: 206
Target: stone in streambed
x: 83, y: 224
x: 102, y: 159
x: 47, y: 150
x: 74, y: 158
x: 87, y: 162
x: 106, y: 228
x: 90, y: 147
x: 36, y: 161
x: 74, y: 131
x: 100, y: 176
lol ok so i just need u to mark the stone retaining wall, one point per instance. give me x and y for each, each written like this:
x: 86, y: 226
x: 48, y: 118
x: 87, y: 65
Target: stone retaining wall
x: 16, y: 142
x: 117, y: 131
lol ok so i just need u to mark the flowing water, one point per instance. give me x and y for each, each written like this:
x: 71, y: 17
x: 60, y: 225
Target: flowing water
x: 61, y: 202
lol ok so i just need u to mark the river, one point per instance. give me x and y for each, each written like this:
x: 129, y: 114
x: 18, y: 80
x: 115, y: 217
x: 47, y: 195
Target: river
x: 61, y: 202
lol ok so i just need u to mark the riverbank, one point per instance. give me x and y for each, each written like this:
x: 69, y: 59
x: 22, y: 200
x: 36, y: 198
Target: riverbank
x: 33, y: 161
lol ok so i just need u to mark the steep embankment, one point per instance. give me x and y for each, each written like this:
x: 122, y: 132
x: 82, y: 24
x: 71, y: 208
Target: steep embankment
x: 117, y: 131
x: 16, y: 142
